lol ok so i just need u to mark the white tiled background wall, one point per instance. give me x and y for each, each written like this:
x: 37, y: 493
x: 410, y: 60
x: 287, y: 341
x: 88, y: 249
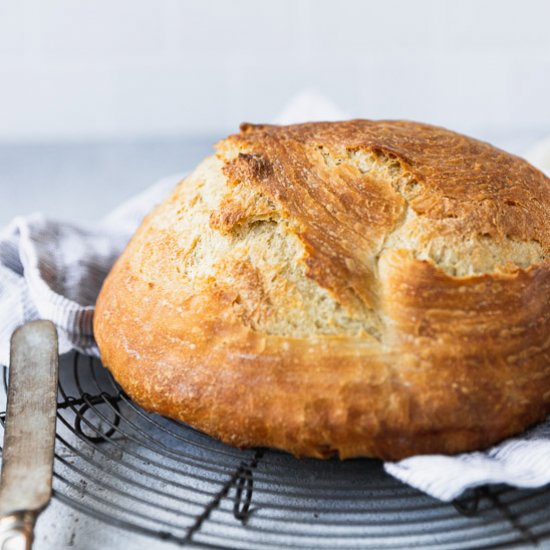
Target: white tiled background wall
x: 109, y: 69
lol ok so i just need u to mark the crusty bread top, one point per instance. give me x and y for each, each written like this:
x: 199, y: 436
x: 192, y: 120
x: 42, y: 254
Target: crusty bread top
x: 297, y: 219
x: 353, y: 190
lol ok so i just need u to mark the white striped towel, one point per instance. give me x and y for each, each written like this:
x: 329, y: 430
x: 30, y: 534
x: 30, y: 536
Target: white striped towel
x: 54, y: 270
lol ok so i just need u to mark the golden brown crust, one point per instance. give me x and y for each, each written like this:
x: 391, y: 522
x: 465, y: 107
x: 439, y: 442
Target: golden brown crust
x: 445, y: 363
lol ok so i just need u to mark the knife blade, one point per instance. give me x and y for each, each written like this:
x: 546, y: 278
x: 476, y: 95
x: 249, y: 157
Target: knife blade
x: 29, y: 435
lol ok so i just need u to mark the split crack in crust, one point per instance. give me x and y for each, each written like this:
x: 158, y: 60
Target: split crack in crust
x: 238, y: 214
x: 361, y: 288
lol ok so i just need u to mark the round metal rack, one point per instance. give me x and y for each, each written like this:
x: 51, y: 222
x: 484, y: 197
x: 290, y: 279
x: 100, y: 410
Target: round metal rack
x: 145, y: 473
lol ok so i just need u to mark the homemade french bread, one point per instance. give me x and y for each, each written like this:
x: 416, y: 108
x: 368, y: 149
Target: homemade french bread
x: 354, y: 288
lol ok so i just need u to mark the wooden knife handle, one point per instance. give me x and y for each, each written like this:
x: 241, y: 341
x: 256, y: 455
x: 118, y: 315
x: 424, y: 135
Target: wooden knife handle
x: 16, y: 531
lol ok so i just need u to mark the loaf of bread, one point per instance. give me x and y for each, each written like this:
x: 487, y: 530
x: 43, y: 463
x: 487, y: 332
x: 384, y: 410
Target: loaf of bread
x: 356, y: 288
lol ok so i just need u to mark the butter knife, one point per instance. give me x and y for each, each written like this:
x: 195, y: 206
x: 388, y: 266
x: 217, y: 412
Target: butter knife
x: 29, y: 435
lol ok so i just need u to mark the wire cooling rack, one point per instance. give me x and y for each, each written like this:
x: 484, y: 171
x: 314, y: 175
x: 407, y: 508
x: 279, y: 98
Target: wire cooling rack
x: 151, y: 475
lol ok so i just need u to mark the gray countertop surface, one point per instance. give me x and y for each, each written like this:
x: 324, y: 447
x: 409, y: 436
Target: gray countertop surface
x: 84, y: 181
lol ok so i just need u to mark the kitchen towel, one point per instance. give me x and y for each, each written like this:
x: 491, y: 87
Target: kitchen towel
x: 54, y: 270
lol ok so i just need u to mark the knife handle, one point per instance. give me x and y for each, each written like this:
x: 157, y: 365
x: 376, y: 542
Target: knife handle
x: 16, y: 531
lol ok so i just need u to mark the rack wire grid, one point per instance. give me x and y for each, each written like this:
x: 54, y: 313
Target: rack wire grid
x: 157, y: 477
